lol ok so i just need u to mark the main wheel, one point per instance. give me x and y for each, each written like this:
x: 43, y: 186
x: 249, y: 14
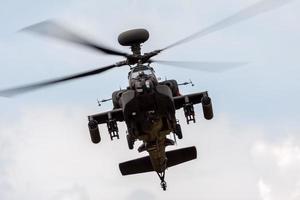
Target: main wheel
x: 130, y: 142
x: 178, y: 131
x: 163, y: 184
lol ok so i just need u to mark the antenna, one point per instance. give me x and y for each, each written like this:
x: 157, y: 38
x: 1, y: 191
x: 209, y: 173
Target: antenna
x: 187, y: 83
x: 102, y: 101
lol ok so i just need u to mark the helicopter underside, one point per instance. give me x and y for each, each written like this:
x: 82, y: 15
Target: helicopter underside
x: 149, y: 116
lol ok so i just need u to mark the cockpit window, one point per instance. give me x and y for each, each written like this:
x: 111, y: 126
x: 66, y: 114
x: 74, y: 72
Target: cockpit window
x: 137, y: 73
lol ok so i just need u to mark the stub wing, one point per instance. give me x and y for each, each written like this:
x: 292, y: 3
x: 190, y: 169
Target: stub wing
x: 195, y: 98
x: 101, y: 118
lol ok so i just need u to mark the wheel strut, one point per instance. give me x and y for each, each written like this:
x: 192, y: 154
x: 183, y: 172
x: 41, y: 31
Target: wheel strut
x: 163, y: 183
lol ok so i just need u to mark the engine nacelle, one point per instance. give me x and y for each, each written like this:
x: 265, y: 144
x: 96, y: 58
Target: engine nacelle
x: 207, y: 108
x: 173, y: 85
x: 94, y: 131
x: 116, y: 98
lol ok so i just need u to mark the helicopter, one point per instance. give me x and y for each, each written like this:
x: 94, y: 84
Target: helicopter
x: 147, y: 106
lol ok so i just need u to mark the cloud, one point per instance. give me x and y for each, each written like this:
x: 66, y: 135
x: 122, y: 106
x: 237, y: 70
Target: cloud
x: 278, y: 163
x: 74, y: 193
x: 286, y: 154
x: 141, y: 194
x: 264, y: 190
x: 47, y: 154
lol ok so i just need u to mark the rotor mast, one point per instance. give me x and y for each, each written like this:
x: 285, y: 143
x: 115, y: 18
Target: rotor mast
x: 136, y: 49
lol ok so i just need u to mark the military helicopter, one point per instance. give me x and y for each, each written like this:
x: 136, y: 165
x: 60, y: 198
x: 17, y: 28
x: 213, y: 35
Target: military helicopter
x: 147, y: 106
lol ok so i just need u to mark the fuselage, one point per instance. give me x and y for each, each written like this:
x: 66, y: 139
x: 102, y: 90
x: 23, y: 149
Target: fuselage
x: 149, y: 113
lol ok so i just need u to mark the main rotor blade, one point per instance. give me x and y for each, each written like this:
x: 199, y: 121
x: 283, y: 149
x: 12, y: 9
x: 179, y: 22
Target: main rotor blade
x: 248, y: 12
x: 203, y: 66
x: 52, y: 29
x: 30, y: 87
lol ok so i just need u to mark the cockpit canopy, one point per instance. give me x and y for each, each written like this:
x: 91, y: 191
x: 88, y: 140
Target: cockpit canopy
x: 140, y: 71
x: 135, y: 74
x: 142, y: 76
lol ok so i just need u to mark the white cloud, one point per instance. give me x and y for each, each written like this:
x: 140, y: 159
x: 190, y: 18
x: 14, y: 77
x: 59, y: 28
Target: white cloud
x: 264, y: 190
x: 286, y: 154
x: 278, y: 162
x: 51, y: 157
x: 74, y: 193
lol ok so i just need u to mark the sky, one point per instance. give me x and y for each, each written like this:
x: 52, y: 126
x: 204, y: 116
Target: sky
x: 250, y: 150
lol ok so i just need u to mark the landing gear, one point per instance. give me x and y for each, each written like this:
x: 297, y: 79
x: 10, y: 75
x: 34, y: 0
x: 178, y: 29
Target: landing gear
x: 163, y: 183
x: 130, y: 141
x: 178, y: 131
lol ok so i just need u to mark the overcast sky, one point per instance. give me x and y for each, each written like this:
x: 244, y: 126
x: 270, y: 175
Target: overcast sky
x: 250, y: 150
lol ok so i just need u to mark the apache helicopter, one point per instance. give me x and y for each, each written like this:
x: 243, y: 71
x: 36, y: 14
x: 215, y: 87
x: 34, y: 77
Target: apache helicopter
x: 147, y: 106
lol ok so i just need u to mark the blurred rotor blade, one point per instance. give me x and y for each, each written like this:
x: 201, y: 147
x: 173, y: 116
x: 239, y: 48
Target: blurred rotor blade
x: 203, y: 66
x: 30, y: 87
x: 258, y: 8
x: 52, y: 29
